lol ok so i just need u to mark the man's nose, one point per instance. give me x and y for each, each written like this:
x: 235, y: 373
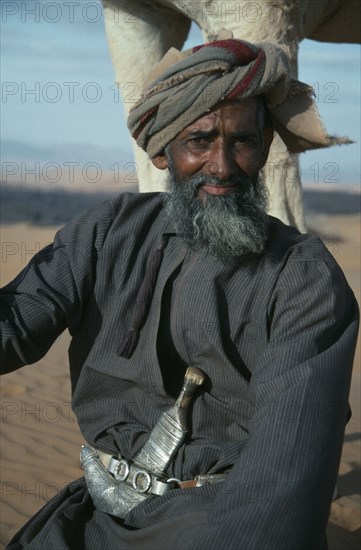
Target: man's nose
x: 221, y: 162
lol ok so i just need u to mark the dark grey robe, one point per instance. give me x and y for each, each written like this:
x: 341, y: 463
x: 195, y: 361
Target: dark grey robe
x: 274, y: 334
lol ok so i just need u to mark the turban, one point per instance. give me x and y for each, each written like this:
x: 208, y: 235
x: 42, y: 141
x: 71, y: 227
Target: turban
x: 186, y: 85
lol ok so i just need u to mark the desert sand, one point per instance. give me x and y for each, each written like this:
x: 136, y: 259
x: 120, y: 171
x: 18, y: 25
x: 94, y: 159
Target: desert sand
x: 40, y: 438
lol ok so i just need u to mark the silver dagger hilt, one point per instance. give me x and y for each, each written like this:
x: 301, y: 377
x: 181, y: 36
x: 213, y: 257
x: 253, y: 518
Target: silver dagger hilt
x: 171, y: 428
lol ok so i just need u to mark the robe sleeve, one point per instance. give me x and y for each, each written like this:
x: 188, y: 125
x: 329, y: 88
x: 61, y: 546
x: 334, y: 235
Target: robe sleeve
x: 278, y: 494
x: 50, y: 294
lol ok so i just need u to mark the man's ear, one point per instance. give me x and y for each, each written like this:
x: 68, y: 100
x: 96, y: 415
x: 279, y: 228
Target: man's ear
x: 160, y: 161
x: 268, y: 134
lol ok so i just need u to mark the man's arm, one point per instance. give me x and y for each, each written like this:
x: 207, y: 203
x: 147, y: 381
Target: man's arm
x: 279, y: 492
x: 49, y: 294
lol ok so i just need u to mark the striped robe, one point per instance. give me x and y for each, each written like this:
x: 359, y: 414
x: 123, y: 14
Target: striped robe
x: 274, y: 334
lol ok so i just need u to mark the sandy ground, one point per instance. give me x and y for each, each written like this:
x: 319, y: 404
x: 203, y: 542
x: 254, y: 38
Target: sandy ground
x: 40, y: 438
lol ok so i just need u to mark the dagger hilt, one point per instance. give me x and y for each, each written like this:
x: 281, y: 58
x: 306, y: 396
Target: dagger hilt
x: 171, y: 428
x: 193, y: 379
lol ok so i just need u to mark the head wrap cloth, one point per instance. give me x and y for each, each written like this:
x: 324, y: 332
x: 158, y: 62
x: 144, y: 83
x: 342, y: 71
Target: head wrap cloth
x: 183, y: 86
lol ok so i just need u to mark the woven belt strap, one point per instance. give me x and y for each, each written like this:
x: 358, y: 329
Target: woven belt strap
x: 145, y: 481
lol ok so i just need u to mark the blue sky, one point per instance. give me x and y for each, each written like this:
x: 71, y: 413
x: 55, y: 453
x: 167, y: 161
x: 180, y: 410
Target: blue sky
x: 74, y: 113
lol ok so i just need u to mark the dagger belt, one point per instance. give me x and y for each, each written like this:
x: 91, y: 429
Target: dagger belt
x: 117, y: 485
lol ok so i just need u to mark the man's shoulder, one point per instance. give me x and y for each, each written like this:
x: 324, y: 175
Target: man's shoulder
x: 287, y: 242
x: 129, y: 210
x: 137, y: 202
x: 132, y: 211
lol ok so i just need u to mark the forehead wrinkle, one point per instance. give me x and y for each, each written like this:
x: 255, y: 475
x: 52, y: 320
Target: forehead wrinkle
x: 203, y: 123
x: 210, y: 123
x: 224, y: 118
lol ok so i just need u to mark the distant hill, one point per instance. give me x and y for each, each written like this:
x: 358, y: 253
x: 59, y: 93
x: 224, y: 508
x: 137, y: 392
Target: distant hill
x: 56, y: 207
x: 19, y: 151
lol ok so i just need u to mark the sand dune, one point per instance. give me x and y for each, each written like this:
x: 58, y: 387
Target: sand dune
x: 41, y: 439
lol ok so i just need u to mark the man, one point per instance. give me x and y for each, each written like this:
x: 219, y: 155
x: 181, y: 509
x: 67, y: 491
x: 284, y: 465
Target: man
x: 151, y: 284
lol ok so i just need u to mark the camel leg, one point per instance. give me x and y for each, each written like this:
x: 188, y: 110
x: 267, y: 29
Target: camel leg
x: 283, y: 180
x: 139, y: 35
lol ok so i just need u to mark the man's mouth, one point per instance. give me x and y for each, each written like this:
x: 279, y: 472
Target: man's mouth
x: 219, y: 189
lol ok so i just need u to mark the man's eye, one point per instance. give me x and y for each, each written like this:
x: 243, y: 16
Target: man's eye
x: 198, y: 142
x: 247, y: 141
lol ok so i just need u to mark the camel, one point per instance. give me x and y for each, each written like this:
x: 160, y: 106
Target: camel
x: 140, y: 32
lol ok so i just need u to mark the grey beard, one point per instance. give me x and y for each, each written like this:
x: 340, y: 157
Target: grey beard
x: 224, y: 226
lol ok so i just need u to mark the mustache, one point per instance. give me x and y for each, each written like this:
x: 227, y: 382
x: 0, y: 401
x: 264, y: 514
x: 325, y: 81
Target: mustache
x: 195, y: 182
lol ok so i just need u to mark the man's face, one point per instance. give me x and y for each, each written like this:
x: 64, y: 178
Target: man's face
x: 224, y: 143
x: 215, y: 197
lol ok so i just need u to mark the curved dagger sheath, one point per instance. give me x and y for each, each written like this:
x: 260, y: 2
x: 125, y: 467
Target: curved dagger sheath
x: 118, y: 497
